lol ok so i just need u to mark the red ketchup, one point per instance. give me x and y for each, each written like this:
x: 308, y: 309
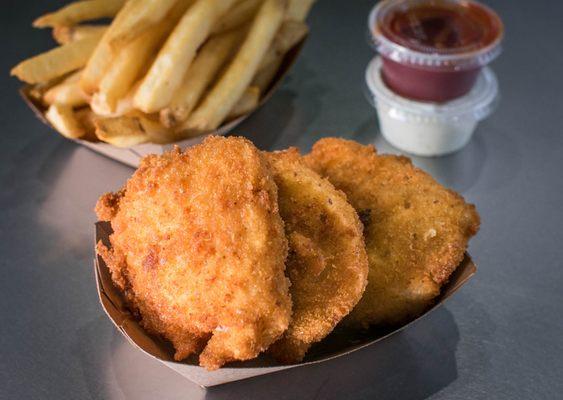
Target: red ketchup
x: 433, y: 50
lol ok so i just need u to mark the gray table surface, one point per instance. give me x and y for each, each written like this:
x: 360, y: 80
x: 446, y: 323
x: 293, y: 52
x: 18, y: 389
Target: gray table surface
x: 500, y: 337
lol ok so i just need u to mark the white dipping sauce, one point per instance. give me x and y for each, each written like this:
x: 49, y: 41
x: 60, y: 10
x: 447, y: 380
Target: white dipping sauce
x: 430, y: 129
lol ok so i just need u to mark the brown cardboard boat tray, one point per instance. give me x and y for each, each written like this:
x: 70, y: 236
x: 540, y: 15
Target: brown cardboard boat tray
x: 132, y: 155
x: 337, y: 344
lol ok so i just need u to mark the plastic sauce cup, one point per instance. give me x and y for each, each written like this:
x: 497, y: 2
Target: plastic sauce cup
x: 430, y: 129
x: 434, y: 50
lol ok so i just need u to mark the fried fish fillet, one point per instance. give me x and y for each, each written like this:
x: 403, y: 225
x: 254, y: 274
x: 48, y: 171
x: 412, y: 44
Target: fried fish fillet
x: 416, y: 231
x: 327, y: 263
x: 199, y: 250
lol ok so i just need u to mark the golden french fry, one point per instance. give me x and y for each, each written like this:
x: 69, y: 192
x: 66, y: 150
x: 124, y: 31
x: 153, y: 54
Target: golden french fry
x: 289, y: 34
x: 75, y: 13
x: 133, y: 62
x: 130, y: 63
x: 67, y: 34
x: 173, y: 60
x: 96, y: 66
x: 67, y: 92
x: 241, y: 13
x: 156, y: 131
x: 124, y: 105
x: 56, y: 62
x: 87, y: 118
x: 209, y: 60
x: 132, y: 129
x: 120, y: 131
x: 265, y: 75
x: 185, y: 133
x: 247, y: 102
x: 223, y: 96
x: 103, y: 55
x: 299, y: 9
x: 38, y: 90
x: 142, y: 15
x: 64, y: 121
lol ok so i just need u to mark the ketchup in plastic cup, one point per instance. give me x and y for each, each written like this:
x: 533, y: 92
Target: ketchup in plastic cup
x: 433, y: 50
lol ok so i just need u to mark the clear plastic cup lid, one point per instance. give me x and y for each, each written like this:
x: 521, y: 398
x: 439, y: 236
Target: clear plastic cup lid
x: 477, y: 104
x: 436, y: 34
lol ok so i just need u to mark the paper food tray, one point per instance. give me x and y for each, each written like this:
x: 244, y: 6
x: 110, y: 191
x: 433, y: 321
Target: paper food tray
x: 132, y: 155
x: 337, y: 344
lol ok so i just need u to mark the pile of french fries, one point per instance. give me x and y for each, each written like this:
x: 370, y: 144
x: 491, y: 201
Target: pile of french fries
x: 162, y: 70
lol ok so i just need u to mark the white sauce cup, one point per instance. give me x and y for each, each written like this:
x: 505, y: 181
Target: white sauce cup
x: 425, y: 128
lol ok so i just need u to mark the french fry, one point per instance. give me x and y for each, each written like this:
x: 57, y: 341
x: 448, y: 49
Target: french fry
x: 56, y: 62
x: 37, y: 91
x: 223, y: 96
x: 135, y: 58
x: 67, y: 34
x: 298, y: 10
x: 173, y: 60
x: 247, y: 102
x: 147, y: 78
x: 130, y: 63
x: 156, y: 131
x: 96, y: 66
x: 142, y: 15
x: 241, y: 13
x: 67, y: 93
x: 86, y: 117
x: 265, y: 75
x: 75, y: 13
x: 289, y: 34
x: 63, y: 119
x: 103, y: 55
x: 132, y: 129
x: 124, y: 105
x: 121, y: 131
x: 209, y: 60
x: 107, y: 49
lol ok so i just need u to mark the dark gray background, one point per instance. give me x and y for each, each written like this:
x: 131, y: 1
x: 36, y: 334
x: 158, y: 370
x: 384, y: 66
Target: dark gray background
x: 500, y: 337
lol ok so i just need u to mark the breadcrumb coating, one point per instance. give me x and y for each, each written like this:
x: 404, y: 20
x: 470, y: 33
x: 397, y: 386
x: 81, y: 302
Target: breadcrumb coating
x: 327, y: 263
x: 416, y: 231
x: 199, y: 250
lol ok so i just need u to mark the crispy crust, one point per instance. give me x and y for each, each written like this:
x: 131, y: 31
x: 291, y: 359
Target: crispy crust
x: 416, y: 231
x: 327, y: 262
x: 108, y: 205
x: 198, y: 249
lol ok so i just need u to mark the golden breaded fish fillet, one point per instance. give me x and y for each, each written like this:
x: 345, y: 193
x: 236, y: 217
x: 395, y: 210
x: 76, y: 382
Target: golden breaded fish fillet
x: 327, y: 262
x: 416, y: 231
x: 199, y: 250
